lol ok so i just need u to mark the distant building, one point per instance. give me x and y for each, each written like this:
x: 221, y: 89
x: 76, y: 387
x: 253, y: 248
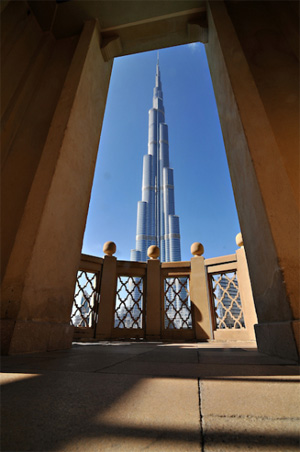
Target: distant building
x: 157, y: 223
x: 82, y: 311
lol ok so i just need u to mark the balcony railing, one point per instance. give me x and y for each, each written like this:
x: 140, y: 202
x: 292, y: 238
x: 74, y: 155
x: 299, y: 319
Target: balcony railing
x: 201, y: 299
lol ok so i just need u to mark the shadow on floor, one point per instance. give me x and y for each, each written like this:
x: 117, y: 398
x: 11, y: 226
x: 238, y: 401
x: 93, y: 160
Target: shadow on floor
x: 136, y: 396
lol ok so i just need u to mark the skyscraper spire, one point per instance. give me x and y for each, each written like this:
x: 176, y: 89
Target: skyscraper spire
x: 157, y: 223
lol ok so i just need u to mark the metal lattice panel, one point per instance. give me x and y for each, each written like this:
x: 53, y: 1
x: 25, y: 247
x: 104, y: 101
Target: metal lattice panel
x: 129, y: 303
x: 227, y: 302
x: 83, y: 311
x: 177, y: 304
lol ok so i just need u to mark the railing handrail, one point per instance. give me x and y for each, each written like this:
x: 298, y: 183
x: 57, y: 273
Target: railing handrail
x: 160, y: 290
x: 214, y: 264
x: 178, y: 264
x: 130, y: 268
x: 91, y: 258
x: 133, y: 268
x: 199, y: 272
x: 90, y: 263
x: 220, y: 260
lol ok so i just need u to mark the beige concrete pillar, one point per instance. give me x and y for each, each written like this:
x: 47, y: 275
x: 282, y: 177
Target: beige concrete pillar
x: 153, y: 300
x: 199, y: 296
x: 38, y: 285
x: 107, y: 298
x: 250, y: 317
x: 250, y: 88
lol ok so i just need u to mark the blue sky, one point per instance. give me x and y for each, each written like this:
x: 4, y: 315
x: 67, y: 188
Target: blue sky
x: 203, y: 193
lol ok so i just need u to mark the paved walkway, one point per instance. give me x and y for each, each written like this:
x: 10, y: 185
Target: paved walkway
x: 150, y: 396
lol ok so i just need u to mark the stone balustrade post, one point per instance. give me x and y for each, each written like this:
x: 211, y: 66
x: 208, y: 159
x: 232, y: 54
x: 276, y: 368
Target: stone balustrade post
x: 250, y: 317
x: 199, y: 294
x: 153, y: 295
x: 108, y: 293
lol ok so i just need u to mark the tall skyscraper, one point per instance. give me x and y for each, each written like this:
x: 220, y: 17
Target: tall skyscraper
x: 157, y: 223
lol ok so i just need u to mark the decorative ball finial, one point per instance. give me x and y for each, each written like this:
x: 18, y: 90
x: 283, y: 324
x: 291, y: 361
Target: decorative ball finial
x: 197, y: 249
x: 153, y: 252
x: 109, y: 248
x: 239, y: 239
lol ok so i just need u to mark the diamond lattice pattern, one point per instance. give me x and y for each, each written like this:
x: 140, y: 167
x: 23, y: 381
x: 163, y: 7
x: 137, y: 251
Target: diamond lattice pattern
x: 227, y: 301
x: 129, y: 302
x: 83, y: 310
x: 177, y: 304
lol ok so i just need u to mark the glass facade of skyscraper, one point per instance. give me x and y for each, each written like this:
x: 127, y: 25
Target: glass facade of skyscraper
x: 157, y: 223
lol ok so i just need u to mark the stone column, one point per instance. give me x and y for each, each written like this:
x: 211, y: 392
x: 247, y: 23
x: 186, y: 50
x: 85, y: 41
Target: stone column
x: 255, y: 81
x: 245, y: 289
x: 153, y: 297
x: 199, y: 294
x: 38, y: 285
x: 107, y: 294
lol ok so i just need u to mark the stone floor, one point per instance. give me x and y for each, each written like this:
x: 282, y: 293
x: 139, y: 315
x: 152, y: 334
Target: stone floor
x: 129, y: 396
